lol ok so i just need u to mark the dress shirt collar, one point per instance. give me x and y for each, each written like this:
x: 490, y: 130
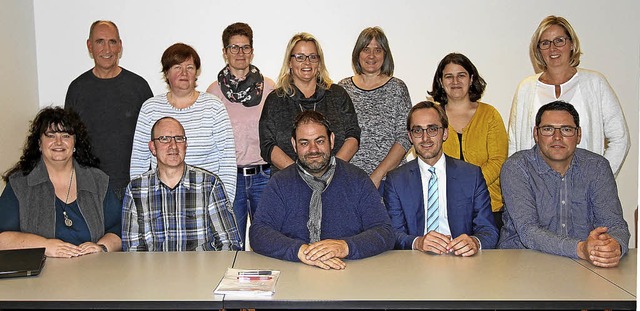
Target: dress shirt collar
x: 440, y: 166
x: 441, y: 173
x: 543, y: 168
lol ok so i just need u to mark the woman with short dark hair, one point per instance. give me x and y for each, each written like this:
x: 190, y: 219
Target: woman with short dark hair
x: 243, y: 90
x: 203, y: 116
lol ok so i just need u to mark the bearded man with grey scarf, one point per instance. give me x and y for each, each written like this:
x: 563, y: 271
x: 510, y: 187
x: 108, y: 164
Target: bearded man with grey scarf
x: 320, y: 210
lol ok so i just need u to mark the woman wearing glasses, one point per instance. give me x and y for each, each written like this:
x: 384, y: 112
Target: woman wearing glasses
x: 202, y: 115
x: 375, y: 91
x: 56, y: 197
x: 476, y: 130
x: 556, y: 50
x: 304, y: 84
x: 243, y: 90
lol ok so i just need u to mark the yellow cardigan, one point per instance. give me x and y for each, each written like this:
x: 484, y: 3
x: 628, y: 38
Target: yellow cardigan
x: 484, y: 143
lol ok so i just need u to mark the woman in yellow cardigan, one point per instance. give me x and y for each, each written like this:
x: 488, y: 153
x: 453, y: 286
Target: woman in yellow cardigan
x: 481, y: 136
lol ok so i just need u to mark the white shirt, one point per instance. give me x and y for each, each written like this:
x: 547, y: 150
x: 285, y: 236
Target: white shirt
x: 601, y: 116
x: 569, y: 92
x: 441, y: 173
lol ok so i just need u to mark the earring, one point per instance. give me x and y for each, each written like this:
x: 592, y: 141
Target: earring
x: 74, y: 149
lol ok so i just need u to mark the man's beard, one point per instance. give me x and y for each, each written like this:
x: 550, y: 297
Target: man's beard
x: 316, y: 167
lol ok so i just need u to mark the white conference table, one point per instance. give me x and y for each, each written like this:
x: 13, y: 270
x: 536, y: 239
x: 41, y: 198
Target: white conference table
x: 624, y: 276
x: 493, y: 279
x: 122, y: 281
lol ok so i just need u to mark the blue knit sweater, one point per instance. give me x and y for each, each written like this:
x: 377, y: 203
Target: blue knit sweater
x: 352, y: 210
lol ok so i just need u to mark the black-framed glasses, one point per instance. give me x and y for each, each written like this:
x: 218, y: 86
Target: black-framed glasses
x: 418, y: 132
x: 235, y: 49
x: 558, y: 42
x: 179, y: 139
x: 300, y: 58
x: 565, y: 130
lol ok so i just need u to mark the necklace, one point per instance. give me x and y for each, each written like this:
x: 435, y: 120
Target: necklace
x: 67, y: 221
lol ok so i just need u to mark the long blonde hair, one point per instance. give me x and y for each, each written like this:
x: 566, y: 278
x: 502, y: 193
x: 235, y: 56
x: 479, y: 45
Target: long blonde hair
x: 285, y: 81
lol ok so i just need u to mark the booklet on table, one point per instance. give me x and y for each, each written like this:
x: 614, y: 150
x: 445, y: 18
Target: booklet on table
x: 245, y: 282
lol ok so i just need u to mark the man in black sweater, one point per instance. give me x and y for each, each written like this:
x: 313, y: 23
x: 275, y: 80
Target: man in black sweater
x: 108, y: 99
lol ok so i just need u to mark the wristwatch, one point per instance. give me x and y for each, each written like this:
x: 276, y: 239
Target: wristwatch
x: 104, y: 248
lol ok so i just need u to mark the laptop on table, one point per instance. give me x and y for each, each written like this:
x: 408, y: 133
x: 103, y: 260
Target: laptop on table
x: 21, y: 262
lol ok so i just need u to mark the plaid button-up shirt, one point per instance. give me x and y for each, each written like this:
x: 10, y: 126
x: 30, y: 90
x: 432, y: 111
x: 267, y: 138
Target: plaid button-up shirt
x: 195, y: 215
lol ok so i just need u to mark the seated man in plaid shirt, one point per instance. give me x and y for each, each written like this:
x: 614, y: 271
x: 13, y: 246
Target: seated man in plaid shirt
x: 176, y: 207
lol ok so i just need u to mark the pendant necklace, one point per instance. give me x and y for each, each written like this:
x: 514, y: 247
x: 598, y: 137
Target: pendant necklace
x: 67, y: 221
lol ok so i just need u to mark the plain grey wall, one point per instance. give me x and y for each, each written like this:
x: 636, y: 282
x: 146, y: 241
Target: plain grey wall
x: 18, y: 78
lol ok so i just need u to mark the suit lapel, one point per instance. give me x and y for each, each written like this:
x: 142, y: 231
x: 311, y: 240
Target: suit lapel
x: 452, y: 187
x: 414, y: 189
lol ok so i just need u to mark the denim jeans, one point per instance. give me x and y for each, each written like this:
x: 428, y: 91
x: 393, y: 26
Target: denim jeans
x: 248, y: 191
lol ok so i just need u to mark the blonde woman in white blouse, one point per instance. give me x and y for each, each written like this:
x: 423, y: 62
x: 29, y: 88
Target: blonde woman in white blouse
x: 556, y: 50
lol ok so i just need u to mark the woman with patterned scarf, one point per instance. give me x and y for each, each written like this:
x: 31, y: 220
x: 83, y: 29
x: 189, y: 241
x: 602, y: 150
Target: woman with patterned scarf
x: 243, y: 90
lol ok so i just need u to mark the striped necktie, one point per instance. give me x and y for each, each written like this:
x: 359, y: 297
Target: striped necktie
x: 432, y: 203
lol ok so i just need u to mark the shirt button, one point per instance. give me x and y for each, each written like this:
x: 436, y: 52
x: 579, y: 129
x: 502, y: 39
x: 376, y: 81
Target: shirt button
x: 563, y: 202
x: 563, y: 225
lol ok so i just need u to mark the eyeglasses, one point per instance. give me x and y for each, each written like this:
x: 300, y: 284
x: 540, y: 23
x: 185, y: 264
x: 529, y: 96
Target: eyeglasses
x: 167, y: 139
x: 558, y: 42
x: 565, y: 130
x: 375, y: 51
x: 235, y: 49
x: 418, y: 132
x: 314, y: 58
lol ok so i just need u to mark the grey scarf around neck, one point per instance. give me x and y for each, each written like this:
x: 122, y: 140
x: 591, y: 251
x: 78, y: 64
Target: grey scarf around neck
x: 317, y: 185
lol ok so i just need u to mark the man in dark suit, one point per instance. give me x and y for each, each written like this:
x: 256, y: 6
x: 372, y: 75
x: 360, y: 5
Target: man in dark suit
x: 437, y: 203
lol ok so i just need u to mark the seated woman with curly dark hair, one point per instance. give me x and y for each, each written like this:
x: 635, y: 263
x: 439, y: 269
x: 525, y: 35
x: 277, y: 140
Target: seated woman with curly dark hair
x: 55, y: 196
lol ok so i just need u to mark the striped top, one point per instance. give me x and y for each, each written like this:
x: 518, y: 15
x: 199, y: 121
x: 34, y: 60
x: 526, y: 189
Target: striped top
x: 210, y: 143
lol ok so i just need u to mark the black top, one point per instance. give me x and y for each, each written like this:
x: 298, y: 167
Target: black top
x: 279, y: 112
x: 460, y: 139
x: 109, y: 109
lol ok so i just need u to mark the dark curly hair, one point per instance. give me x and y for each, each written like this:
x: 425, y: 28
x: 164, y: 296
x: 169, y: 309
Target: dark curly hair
x: 475, y: 89
x: 60, y: 121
